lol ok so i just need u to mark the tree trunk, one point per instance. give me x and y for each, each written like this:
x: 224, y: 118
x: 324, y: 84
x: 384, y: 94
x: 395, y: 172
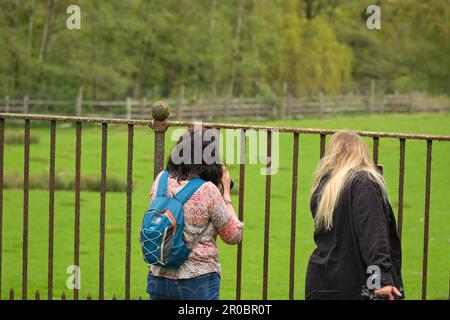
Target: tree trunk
x: 29, y: 47
x: 212, y: 48
x: 94, y: 45
x: 145, y: 50
x: 235, y: 58
x: 310, y: 11
x: 46, y: 31
x: 16, y: 58
x: 30, y: 29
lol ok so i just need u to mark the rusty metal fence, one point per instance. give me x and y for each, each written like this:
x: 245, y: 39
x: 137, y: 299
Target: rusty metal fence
x: 160, y: 127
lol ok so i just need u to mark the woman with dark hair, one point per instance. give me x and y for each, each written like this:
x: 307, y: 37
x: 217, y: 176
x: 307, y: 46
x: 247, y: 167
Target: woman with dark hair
x: 207, y: 213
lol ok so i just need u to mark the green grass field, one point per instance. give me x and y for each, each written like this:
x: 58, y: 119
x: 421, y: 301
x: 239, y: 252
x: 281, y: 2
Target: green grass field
x: 439, y: 243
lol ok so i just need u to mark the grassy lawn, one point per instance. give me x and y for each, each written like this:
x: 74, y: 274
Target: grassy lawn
x: 439, y: 241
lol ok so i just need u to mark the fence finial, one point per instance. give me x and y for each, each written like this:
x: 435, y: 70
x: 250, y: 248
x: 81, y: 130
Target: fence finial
x: 160, y: 110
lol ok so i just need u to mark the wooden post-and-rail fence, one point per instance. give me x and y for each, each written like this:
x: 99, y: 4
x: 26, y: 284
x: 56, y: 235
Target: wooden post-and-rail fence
x: 289, y: 107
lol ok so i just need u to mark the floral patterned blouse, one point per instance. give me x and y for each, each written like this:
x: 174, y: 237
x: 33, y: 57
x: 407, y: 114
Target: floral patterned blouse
x: 206, y: 207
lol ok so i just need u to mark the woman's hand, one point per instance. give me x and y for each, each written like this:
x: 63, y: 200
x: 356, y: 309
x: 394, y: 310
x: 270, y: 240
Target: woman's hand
x: 388, y: 291
x: 226, y: 184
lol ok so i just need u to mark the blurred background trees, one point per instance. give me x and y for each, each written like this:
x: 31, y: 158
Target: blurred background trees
x: 221, y: 48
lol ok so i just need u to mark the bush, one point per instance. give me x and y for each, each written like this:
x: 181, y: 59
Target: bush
x: 18, y: 138
x: 63, y: 182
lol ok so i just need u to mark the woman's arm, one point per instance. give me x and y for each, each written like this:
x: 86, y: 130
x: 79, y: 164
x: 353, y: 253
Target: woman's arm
x: 372, y: 232
x: 222, y: 213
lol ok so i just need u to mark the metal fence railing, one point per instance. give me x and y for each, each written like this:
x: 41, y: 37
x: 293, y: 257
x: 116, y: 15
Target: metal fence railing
x: 160, y: 128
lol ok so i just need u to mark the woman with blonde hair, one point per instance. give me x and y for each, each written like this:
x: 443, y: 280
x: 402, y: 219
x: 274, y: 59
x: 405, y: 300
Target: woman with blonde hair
x: 358, y: 253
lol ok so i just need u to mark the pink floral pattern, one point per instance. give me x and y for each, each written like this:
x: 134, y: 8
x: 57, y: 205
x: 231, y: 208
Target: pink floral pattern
x: 205, y: 205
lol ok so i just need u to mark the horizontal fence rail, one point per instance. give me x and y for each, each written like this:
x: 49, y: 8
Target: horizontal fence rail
x: 159, y: 128
x: 152, y: 123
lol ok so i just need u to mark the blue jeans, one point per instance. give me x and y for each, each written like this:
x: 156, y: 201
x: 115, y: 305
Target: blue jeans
x: 204, y: 287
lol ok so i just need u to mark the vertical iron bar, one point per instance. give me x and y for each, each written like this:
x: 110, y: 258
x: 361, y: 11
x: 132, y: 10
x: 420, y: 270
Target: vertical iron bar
x: 51, y: 209
x: 401, y: 183
x: 101, y: 286
x: 2, y: 139
x: 77, y: 205
x: 26, y: 180
x: 376, y: 142
x: 160, y: 132
x: 323, y: 139
x: 293, y: 216
x: 267, y: 216
x: 241, y: 215
x: 129, y: 203
x: 427, y: 220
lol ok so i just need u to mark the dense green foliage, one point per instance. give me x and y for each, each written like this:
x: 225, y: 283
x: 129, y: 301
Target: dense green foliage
x: 229, y: 48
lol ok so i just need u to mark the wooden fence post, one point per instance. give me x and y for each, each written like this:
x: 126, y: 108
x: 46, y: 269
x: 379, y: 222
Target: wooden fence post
x: 240, y: 102
x: 25, y: 104
x: 283, y: 105
x: 196, y: 103
x: 6, y: 104
x: 274, y: 105
x: 371, y: 97
x: 289, y: 105
x: 79, y: 102
x: 382, y: 102
x: 411, y: 102
x: 212, y: 103
x: 144, y: 106
x: 180, y: 103
x: 259, y: 107
x: 128, y: 106
x: 321, y: 104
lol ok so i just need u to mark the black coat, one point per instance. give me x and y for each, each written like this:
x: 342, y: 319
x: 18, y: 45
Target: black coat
x: 363, y: 234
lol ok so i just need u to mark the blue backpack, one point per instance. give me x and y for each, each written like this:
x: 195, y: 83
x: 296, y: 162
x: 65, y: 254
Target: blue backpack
x: 161, y: 233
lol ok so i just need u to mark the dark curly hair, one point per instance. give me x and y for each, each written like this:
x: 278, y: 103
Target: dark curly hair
x: 185, y: 171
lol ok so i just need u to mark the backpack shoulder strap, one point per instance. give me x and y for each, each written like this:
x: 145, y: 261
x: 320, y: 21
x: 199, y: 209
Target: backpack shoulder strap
x: 162, y: 184
x: 184, y: 194
x: 199, y: 237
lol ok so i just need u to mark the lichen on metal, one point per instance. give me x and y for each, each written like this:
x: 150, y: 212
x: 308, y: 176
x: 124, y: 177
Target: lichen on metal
x: 160, y: 110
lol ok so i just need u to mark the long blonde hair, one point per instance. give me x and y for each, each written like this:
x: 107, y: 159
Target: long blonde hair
x: 346, y: 155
